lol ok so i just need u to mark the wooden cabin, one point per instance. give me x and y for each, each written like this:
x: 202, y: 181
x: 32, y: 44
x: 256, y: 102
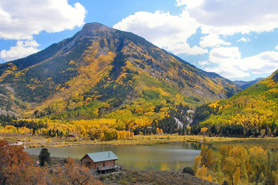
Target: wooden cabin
x: 100, y: 161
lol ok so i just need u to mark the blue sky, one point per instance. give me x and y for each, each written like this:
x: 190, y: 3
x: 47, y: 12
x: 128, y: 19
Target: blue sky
x: 237, y: 39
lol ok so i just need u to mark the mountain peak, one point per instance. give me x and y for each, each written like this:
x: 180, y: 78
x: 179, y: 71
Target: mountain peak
x: 93, y: 27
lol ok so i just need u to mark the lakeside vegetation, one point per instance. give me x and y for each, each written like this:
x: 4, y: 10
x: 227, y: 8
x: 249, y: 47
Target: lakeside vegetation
x: 17, y: 167
x: 40, y: 141
x: 237, y: 165
x: 31, y: 141
x: 219, y: 161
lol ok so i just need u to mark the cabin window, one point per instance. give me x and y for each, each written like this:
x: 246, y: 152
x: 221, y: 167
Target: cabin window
x: 103, y: 164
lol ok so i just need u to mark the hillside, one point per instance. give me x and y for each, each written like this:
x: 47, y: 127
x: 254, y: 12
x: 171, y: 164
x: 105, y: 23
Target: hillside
x: 253, y: 111
x: 100, y: 70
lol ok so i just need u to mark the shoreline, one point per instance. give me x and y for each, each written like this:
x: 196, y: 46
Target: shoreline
x: 39, y: 141
x: 133, y: 176
x: 143, y: 140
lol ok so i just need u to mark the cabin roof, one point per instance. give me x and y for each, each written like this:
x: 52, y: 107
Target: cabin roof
x: 102, y: 156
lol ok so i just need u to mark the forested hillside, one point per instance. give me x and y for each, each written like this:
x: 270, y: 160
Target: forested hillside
x: 110, y: 77
x: 100, y: 70
x: 253, y: 111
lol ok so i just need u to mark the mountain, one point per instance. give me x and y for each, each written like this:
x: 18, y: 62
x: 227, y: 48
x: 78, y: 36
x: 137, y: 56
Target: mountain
x: 104, y: 72
x: 248, y: 112
x: 245, y: 84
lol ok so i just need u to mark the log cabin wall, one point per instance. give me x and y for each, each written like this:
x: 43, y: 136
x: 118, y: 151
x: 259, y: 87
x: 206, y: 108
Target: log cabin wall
x: 88, y: 162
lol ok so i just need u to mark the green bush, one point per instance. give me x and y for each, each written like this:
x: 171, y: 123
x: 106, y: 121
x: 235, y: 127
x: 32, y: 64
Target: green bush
x: 44, y: 157
x: 189, y: 171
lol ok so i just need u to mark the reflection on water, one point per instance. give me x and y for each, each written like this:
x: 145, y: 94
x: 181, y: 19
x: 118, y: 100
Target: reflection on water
x: 171, y: 157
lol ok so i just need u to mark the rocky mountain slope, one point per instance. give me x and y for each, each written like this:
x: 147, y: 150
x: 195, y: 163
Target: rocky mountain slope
x: 103, y: 72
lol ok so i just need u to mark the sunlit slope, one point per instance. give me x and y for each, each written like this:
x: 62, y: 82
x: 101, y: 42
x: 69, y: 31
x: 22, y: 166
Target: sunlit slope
x: 257, y: 106
x: 101, y: 72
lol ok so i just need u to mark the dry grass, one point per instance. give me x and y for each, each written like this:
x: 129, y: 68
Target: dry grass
x: 266, y: 143
x: 151, y: 177
x: 40, y: 141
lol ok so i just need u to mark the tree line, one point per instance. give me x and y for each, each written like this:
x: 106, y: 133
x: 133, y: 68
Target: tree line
x: 237, y: 165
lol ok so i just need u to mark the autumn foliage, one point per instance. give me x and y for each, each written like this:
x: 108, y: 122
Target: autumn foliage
x: 252, y: 112
x: 16, y: 167
x: 72, y: 173
x: 238, y: 165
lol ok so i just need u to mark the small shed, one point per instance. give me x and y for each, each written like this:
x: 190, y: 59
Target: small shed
x: 100, y: 161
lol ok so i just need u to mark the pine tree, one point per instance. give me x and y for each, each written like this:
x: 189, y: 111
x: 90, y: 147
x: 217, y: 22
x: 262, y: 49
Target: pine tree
x: 44, y: 157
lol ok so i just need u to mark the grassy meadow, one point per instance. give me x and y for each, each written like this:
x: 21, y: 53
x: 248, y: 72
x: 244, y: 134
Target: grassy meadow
x: 214, y: 142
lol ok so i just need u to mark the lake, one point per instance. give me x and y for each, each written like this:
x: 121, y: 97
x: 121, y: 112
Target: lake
x: 172, y: 157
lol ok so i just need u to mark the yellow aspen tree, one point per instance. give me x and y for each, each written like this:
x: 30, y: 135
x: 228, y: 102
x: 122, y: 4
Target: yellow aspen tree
x: 202, y: 173
x: 102, y: 137
x: 236, y: 176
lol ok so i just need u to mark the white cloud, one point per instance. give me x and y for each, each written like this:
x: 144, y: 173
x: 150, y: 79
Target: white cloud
x: 203, y: 63
x: 230, y: 17
x: 183, y: 47
x: 228, y: 71
x: 224, y: 54
x: 22, y: 49
x: 227, y: 60
x: 230, y: 64
x: 189, y: 3
x: 212, y: 40
x: 164, y: 30
x: 265, y: 62
x: 21, y: 19
x: 243, y: 39
x: 216, y: 19
x: 276, y: 47
x: 180, y: 3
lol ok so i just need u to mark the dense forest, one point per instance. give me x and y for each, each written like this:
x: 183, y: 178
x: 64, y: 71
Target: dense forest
x: 237, y: 165
x: 251, y: 112
x: 103, y: 129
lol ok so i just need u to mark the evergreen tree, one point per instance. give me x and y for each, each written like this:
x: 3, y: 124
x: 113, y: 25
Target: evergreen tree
x: 189, y: 171
x: 44, y: 157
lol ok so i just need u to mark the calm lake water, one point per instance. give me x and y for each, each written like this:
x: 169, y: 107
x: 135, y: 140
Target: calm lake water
x: 171, y: 157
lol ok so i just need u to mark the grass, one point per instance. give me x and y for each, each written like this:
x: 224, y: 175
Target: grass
x: 265, y: 143
x: 40, y: 141
x: 215, y: 142
x: 150, y: 177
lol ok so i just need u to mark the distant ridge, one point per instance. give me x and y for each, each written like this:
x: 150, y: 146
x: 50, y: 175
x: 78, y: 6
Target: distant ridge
x: 245, y: 84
